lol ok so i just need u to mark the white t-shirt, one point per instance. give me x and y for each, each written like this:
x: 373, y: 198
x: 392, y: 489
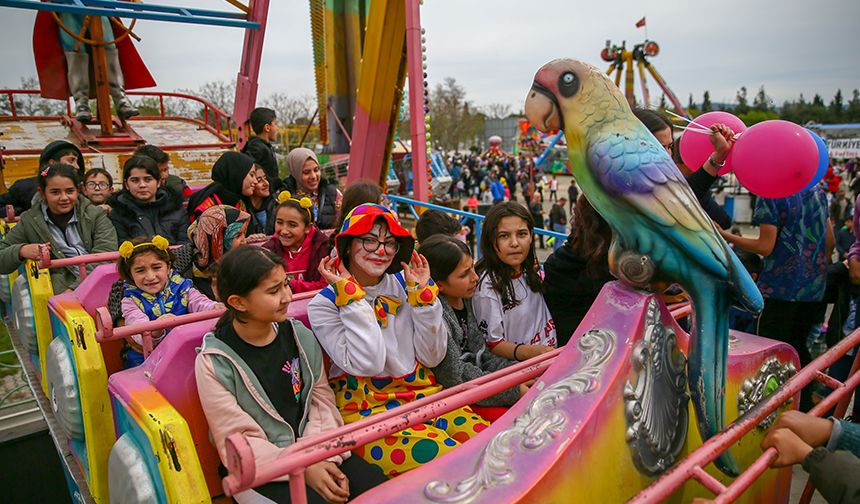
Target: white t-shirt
x: 528, y: 322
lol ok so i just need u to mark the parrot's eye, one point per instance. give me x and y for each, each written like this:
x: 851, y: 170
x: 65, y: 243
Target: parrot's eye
x: 568, y: 84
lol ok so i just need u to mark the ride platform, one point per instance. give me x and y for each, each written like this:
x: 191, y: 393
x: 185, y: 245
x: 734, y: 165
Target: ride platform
x: 193, y: 141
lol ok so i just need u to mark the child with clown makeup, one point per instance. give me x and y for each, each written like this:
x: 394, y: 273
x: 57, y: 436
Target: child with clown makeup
x: 381, y: 324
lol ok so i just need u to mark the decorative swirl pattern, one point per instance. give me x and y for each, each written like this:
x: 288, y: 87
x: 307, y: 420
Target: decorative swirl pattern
x: 635, y: 269
x: 534, y: 429
x: 771, y: 375
x: 656, y: 402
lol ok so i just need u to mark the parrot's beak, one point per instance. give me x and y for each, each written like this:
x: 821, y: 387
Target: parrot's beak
x: 542, y: 109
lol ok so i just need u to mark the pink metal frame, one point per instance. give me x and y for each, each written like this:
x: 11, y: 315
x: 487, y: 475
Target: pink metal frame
x: 417, y: 127
x: 249, y: 68
x: 692, y: 466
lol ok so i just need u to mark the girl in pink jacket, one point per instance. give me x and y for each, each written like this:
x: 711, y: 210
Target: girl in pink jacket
x: 261, y: 374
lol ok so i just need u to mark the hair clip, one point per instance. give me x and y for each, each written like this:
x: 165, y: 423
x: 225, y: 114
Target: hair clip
x: 44, y: 172
x: 158, y: 241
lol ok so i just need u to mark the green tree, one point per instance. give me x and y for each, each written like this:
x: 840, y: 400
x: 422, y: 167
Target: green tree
x: 454, y: 123
x: 837, y: 106
x: 662, y: 104
x: 852, y: 112
x: 756, y: 116
x: 741, y: 103
x: 706, y: 102
x: 690, y: 103
x: 761, y: 101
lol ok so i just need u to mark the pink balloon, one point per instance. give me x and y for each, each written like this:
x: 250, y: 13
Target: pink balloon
x: 775, y: 159
x: 696, y: 147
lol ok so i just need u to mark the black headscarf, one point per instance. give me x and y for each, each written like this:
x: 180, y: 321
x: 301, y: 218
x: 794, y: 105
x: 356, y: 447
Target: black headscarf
x: 227, y: 175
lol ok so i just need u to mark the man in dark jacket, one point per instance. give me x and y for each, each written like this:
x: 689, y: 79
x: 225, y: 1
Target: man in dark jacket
x: 264, y: 123
x: 572, y: 196
x: 558, y: 220
x: 20, y: 194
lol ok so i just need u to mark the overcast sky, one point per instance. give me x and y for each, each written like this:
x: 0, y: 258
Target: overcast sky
x: 494, y: 48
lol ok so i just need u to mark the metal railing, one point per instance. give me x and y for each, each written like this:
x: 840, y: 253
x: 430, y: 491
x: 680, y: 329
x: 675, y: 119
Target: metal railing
x: 692, y: 467
x: 463, y: 216
x: 213, y: 120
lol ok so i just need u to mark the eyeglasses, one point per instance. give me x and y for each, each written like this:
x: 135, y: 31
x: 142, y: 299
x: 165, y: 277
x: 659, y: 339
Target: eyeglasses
x: 98, y: 185
x: 372, y: 245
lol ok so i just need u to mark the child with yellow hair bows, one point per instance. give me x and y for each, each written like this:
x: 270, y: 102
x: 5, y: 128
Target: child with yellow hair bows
x: 298, y: 241
x: 153, y: 290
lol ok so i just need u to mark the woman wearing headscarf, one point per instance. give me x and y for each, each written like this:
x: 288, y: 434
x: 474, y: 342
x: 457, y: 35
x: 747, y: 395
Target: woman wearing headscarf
x: 218, y: 230
x: 305, y: 180
x: 234, y: 179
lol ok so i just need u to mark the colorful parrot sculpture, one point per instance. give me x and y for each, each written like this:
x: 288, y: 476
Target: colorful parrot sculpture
x: 661, y: 235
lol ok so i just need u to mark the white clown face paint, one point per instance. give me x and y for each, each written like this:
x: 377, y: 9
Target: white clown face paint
x: 371, y: 264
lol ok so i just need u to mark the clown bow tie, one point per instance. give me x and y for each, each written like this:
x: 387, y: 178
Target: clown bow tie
x: 383, y: 306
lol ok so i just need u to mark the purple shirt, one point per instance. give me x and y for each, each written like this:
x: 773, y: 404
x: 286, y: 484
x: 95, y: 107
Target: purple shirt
x: 854, y: 251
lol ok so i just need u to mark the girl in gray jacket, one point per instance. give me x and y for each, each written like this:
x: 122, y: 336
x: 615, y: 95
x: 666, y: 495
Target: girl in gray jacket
x: 467, y: 357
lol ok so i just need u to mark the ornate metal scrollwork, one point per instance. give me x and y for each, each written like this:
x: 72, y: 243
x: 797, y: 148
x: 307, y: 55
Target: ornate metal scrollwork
x: 771, y: 375
x: 656, y: 399
x: 534, y: 429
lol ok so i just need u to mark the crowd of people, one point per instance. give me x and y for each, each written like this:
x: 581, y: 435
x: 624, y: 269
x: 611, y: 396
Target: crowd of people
x: 398, y: 318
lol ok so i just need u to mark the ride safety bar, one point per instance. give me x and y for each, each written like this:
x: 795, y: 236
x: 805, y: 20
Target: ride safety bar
x: 105, y: 331
x: 82, y: 261
x: 692, y: 467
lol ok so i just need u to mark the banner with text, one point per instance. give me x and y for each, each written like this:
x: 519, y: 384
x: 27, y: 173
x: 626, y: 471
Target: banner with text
x: 841, y: 148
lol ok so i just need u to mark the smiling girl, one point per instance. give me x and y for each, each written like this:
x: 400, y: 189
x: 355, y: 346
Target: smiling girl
x: 299, y: 243
x: 153, y: 290
x: 305, y: 180
x: 260, y: 373
x: 381, y: 324
x: 70, y: 224
x: 144, y: 208
x: 509, y: 304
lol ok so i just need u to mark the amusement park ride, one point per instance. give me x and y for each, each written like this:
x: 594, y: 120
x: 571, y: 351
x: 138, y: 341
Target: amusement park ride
x: 621, y: 62
x: 608, y: 419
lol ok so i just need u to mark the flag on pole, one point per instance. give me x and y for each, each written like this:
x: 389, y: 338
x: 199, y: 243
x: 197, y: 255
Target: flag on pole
x: 640, y: 23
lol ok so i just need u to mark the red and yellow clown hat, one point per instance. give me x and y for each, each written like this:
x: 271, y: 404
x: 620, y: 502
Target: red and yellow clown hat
x: 361, y: 220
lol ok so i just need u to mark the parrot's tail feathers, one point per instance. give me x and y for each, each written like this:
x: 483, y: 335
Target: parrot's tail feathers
x: 745, y: 290
x: 707, y: 362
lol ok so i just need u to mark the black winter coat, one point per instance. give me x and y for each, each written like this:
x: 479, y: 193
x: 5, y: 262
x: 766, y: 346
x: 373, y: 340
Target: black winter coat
x: 165, y: 216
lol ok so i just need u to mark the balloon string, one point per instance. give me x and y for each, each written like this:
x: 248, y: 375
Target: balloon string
x: 700, y: 129
x: 694, y: 123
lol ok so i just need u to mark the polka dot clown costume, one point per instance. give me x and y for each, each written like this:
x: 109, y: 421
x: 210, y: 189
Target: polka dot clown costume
x: 383, y: 340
